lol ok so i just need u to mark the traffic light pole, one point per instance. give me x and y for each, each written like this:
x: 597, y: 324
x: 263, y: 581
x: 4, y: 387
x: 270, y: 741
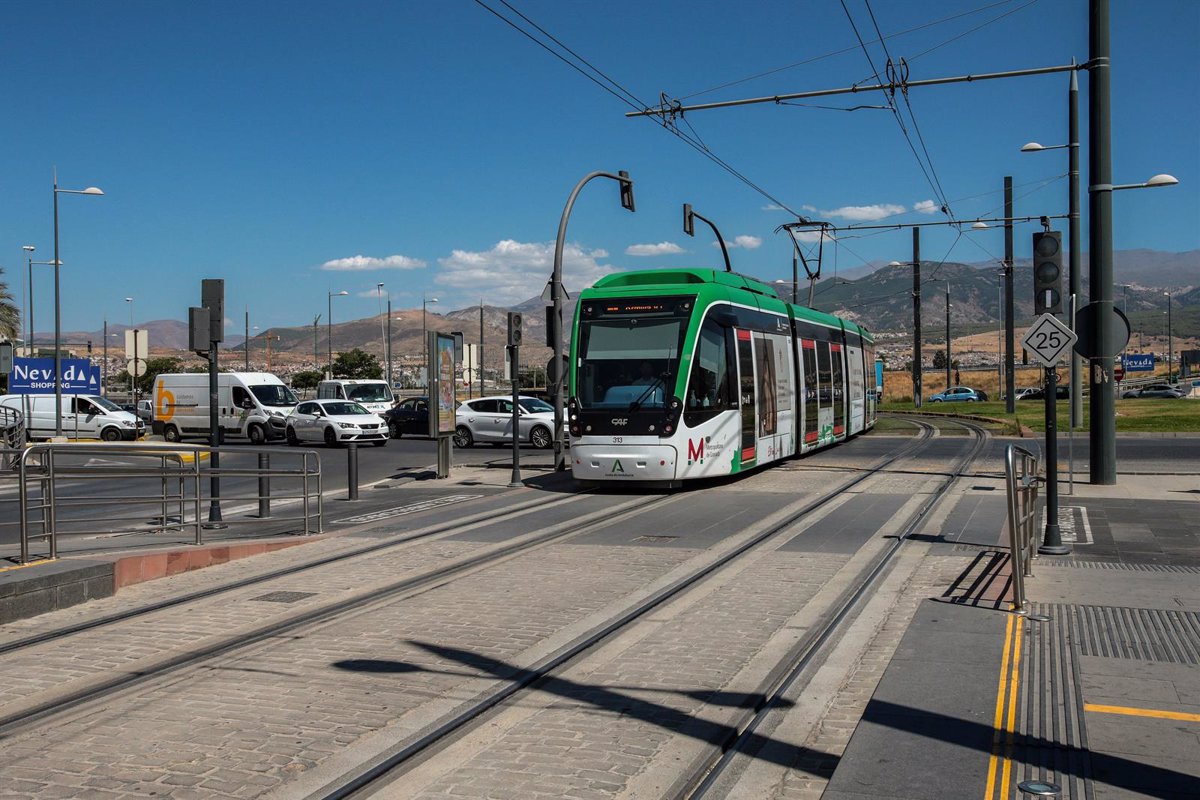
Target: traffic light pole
x: 1052, y: 542
x: 916, y: 292
x: 514, y: 353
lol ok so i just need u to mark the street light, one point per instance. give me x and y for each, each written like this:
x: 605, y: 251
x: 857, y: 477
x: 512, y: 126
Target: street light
x: 1153, y: 183
x: 947, y: 334
x: 29, y: 293
x: 385, y: 325
x: 329, y: 324
x: 424, y: 337
x: 92, y: 190
x: 1170, y: 338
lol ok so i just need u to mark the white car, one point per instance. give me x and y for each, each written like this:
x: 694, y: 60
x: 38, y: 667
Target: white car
x: 489, y: 419
x: 335, y: 422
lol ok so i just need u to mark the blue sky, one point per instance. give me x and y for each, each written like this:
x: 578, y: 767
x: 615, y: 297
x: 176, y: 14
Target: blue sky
x: 298, y: 148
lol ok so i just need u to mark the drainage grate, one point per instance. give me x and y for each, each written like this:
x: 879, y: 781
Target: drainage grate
x: 283, y: 597
x: 1146, y: 634
x: 655, y: 538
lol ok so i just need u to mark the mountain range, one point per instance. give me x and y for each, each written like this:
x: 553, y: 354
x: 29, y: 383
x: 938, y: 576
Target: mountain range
x: 880, y: 296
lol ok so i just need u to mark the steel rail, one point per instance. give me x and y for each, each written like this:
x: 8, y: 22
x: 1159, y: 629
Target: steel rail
x: 203, y: 594
x: 362, y: 778
x: 704, y: 778
x: 105, y: 690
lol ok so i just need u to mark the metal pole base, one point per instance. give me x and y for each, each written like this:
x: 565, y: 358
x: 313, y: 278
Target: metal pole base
x: 1054, y: 550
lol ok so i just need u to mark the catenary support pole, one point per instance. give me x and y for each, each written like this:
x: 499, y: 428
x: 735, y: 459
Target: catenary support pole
x: 1075, y: 255
x: 1010, y: 374
x: 515, y: 481
x: 1102, y: 434
x: 916, y: 293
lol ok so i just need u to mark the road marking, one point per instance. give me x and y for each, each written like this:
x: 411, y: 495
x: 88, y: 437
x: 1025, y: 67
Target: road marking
x: 411, y: 508
x: 1142, y: 712
x: 1000, y: 766
x: 1066, y: 525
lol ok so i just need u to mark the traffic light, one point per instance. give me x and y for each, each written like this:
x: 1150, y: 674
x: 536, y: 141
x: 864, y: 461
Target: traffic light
x: 1047, y: 273
x: 626, y: 191
x: 514, y: 329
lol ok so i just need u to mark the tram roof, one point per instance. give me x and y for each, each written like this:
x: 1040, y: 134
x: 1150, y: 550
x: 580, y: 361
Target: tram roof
x: 679, y: 278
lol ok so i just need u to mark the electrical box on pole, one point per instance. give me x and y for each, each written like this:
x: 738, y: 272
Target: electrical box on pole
x: 515, y: 332
x: 1047, y: 273
x: 553, y: 329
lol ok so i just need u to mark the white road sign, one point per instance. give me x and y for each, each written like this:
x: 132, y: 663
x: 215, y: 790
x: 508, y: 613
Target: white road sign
x: 1048, y: 340
x: 137, y: 368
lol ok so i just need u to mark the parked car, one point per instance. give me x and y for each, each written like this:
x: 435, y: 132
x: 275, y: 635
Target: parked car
x: 409, y: 416
x: 82, y: 417
x: 1039, y: 393
x: 335, y: 422
x: 489, y: 419
x: 959, y: 394
x: 1163, y: 390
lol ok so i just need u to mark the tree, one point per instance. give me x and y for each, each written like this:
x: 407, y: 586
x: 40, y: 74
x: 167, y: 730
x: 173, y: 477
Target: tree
x: 154, y: 367
x: 307, y: 379
x: 357, y: 364
x: 939, y: 359
x: 10, y: 315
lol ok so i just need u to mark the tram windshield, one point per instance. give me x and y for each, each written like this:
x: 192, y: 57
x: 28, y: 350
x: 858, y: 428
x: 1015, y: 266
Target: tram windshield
x: 628, y: 356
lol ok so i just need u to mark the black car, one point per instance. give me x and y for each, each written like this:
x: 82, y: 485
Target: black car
x: 409, y: 416
x: 1039, y: 393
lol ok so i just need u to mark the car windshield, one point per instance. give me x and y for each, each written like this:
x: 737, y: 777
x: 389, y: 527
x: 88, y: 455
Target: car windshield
x: 344, y: 409
x: 535, y: 406
x: 105, y: 403
x: 274, y: 395
x: 628, y: 351
x: 370, y: 393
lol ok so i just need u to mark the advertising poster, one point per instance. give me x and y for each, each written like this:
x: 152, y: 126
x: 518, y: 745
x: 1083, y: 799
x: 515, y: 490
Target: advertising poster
x: 444, y: 369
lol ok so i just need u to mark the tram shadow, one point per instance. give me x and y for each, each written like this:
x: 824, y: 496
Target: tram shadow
x: 620, y: 701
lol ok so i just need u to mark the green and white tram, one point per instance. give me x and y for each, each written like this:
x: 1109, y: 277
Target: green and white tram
x: 693, y: 373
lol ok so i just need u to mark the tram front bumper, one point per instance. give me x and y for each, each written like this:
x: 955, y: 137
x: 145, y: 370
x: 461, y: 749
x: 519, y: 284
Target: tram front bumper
x: 606, y: 462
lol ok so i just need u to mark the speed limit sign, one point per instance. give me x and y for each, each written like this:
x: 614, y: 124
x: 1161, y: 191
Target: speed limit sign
x: 1048, y: 340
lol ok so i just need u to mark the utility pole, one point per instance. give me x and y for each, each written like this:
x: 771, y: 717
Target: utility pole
x: 948, y: 384
x: 480, y: 354
x: 1010, y: 375
x: 1102, y: 435
x: 916, y: 293
x: 389, y: 342
x: 1075, y: 256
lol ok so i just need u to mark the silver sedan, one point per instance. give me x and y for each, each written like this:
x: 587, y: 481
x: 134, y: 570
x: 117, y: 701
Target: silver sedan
x: 490, y: 419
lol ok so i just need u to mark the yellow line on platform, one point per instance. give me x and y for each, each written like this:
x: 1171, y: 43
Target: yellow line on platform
x: 1142, y: 712
x: 23, y: 566
x: 998, y: 718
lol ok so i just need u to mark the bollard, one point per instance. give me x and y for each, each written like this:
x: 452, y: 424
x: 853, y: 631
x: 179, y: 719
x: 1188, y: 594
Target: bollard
x: 264, y: 486
x: 352, y: 469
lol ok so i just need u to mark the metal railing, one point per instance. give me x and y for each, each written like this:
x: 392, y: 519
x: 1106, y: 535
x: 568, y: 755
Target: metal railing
x: 112, y: 490
x: 1021, y: 482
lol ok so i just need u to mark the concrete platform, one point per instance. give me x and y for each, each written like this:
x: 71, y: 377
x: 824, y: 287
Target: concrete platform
x: 1101, y: 699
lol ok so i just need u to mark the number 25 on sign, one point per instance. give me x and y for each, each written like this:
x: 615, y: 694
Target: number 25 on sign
x: 1048, y: 340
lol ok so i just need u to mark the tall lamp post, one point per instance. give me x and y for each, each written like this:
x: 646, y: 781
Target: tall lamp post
x: 385, y: 323
x: 92, y: 190
x: 29, y: 293
x: 948, y: 384
x: 329, y: 325
x: 424, y: 338
x: 1170, y: 338
x: 1074, y: 253
x: 916, y: 298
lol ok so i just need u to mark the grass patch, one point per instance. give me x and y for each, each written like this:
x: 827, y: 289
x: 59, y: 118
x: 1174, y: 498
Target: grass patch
x: 1133, y: 416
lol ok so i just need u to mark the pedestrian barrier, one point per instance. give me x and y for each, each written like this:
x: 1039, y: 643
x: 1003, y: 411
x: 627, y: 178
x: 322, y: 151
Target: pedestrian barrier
x: 1021, y: 481
x: 113, y: 490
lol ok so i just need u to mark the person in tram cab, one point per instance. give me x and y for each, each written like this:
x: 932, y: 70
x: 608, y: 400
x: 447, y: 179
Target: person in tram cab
x: 647, y: 376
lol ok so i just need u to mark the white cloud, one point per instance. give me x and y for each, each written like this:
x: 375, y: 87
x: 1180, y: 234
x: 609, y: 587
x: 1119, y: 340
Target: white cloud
x: 865, y: 213
x: 926, y: 207
x: 773, y: 207
x: 511, y: 272
x: 372, y: 293
x: 807, y: 207
x: 744, y: 241
x: 660, y: 249
x: 360, y: 262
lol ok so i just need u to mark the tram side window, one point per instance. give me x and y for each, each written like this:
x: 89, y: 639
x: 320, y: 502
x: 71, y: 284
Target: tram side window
x: 824, y: 373
x: 810, y: 388
x: 709, y: 384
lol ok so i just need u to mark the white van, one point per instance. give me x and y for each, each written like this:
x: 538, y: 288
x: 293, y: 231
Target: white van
x: 374, y: 395
x: 84, y: 416
x: 250, y: 404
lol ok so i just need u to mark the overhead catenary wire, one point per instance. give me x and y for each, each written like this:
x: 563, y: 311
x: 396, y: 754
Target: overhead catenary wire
x: 612, y: 87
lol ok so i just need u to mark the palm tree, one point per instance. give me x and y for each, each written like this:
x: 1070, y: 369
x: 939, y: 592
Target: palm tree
x: 10, y: 315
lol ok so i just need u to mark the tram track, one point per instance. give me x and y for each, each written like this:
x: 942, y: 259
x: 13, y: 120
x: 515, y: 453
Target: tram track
x: 404, y: 540
x: 390, y: 765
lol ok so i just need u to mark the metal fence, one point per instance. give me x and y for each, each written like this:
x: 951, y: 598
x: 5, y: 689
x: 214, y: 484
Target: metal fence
x: 1021, y: 481
x: 114, y: 490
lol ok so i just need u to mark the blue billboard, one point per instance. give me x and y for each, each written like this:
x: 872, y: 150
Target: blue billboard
x: 1138, y: 362
x: 36, y: 376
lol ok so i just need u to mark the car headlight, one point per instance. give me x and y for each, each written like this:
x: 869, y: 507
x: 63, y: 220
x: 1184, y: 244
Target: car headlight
x: 128, y: 424
x: 347, y: 425
x: 277, y: 414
